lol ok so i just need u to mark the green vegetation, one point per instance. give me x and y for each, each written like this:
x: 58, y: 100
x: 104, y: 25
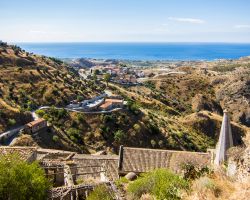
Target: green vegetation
x: 133, y: 107
x: 192, y: 172
x: 121, y: 181
x: 40, y: 113
x: 224, y: 68
x: 56, y: 60
x: 106, y: 78
x: 53, y: 115
x: 11, y: 122
x: 160, y: 183
x: 29, y: 81
x: 20, y: 180
x: 101, y: 192
x: 74, y: 135
x: 119, y: 136
x: 55, y: 138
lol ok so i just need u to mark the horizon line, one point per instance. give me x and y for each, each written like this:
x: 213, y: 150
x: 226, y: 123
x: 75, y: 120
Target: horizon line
x: 124, y: 42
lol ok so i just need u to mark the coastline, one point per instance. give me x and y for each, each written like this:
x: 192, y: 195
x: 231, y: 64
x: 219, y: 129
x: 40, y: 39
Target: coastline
x: 162, y: 52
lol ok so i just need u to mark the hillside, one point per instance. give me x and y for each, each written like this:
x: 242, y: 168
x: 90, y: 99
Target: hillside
x: 28, y: 81
x: 166, y: 112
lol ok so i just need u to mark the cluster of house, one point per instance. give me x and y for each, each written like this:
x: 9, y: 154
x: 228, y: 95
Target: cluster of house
x: 120, y: 75
x: 99, y: 103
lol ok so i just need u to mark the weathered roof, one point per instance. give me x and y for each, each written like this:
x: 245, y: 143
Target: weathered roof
x: 25, y: 153
x: 93, y: 164
x: 143, y: 160
x: 33, y: 123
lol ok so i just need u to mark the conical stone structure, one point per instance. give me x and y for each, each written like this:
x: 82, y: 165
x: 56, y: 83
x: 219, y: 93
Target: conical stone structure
x: 225, y: 140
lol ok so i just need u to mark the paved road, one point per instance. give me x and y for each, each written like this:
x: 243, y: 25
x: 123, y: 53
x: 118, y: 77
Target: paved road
x: 13, y: 133
x: 81, y: 111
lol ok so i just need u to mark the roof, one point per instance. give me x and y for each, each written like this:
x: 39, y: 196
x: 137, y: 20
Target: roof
x: 33, y: 123
x: 93, y: 164
x: 143, y: 160
x: 25, y: 153
x: 106, y: 105
x: 114, y: 100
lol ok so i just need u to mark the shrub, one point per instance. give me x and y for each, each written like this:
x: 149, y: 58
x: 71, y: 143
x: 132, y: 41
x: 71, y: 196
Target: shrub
x: 101, y: 192
x: 133, y: 107
x: 192, y: 172
x: 11, y: 122
x: 206, y: 186
x: 80, y: 98
x: 153, y: 143
x: 74, y: 134
x: 119, y: 183
x: 153, y: 128
x: 40, y: 113
x: 137, y: 128
x: 55, y: 138
x: 119, y: 136
x: 20, y: 180
x: 161, y: 143
x: 160, y: 183
x: 80, y: 117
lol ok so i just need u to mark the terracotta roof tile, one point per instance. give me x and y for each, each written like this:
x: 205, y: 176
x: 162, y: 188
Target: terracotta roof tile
x: 143, y: 160
x: 25, y: 153
x: 114, y: 100
x: 33, y: 123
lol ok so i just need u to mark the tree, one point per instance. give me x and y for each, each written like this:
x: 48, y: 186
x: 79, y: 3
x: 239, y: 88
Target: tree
x: 96, y: 72
x: 107, y: 78
x: 20, y: 180
x: 80, y: 98
x: 119, y: 136
x: 94, y: 77
x: 40, y: 113
x: 11, y: 122
x: 55, y: 138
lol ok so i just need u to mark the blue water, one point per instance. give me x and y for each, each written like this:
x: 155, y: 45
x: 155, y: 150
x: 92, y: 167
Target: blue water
x: 140, y: 51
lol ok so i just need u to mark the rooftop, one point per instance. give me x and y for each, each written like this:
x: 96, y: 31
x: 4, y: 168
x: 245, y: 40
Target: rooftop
x: 33, y: 123
x: 25, y: 153
x: 106, y: 105
x: 114, y: 100
x: 143, y: 160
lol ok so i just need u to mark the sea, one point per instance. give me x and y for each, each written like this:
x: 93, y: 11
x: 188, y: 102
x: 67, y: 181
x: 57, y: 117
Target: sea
x: 141, y: 51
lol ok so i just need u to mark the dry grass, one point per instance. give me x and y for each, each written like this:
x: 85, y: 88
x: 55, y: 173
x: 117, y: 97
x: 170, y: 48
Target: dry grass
x: 218, y: 186
x: 147, y: 197
x: 24, y: 140
x: 8, y: 107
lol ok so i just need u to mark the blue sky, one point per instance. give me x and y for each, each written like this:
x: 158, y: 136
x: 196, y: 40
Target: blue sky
x: 125, y: 20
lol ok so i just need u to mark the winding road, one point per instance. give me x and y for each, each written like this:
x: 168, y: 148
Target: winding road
x: 8, y: 136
